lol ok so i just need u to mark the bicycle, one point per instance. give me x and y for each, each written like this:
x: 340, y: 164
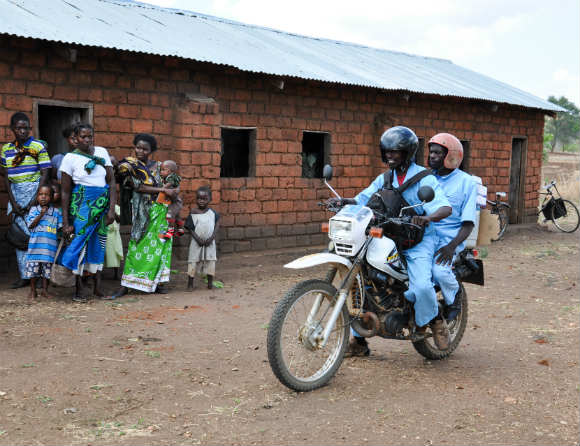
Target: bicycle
x: 502, y: 210
x: 563, y: 213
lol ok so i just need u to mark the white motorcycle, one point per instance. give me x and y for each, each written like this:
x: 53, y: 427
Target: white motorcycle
x: 309, y: 330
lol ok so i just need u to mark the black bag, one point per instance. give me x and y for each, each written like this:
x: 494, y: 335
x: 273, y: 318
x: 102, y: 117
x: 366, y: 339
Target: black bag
x: 559, y: 209
x: 389, y: 201
x: 16, y: 236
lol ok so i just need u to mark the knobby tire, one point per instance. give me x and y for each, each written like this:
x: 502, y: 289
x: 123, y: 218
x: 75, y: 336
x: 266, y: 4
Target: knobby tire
x: 285, y: 344
x: 427, y: 347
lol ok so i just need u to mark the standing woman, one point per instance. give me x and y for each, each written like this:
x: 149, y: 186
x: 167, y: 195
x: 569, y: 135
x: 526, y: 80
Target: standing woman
x: 88, y: 206
x: 25, y: 164
x: 148, y: 259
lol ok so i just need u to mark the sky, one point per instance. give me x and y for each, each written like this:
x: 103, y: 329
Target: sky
x: 533, y: 45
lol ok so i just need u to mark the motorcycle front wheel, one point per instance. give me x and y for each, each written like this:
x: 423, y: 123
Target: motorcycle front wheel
x: 427, y: 347
x: 297, y: 360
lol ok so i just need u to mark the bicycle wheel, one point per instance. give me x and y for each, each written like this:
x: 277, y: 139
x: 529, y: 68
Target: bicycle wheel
x: 503, y: 215
x: 568, y: 220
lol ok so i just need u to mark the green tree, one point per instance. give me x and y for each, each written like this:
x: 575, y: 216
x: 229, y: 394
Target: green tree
x: 564, y: 127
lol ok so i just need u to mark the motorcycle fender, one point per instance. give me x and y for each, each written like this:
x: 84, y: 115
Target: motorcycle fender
x: 318, y: 259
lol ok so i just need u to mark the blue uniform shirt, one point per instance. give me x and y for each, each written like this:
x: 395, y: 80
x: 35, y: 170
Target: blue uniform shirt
x: 410, y: 195
x: 461, y: 192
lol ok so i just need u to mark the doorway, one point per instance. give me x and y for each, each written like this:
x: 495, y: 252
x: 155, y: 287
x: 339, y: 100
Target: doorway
x: 517, y: 180
x: 52, y: 117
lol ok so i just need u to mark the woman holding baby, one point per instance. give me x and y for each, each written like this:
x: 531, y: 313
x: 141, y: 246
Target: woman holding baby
x: 148, y: 259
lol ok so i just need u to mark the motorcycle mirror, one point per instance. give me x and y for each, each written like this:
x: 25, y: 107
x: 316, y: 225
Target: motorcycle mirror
x: 327, y: 172
x: 426, y: 194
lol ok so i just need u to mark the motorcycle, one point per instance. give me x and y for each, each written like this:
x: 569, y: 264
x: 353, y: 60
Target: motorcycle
x: 364, y: 289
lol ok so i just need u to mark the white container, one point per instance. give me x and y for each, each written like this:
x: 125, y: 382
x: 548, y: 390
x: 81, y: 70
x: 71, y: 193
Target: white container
x: 481, y: 193
x: 471, y: 241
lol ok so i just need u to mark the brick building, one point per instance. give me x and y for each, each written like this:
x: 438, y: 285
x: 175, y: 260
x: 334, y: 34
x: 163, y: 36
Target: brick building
x: 259, y: 112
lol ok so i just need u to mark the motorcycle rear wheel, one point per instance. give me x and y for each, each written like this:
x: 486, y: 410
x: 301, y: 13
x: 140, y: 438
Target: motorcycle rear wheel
x: 427, y: 347
x: 297, y: 364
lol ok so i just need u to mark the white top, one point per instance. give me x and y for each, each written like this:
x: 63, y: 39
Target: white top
x: 73, y: 164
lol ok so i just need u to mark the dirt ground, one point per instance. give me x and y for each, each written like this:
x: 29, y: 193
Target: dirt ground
x: 191, y: 368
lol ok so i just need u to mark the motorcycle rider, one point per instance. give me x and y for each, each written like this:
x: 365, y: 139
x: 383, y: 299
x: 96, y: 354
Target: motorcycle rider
x: 445, y: 156
x: 398, y: 148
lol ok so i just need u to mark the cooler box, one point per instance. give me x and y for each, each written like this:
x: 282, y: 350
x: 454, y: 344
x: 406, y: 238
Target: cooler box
x: 471, y: 241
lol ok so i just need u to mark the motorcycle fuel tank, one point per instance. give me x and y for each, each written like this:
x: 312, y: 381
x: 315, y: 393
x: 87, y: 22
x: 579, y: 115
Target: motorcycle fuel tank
x: 383, y: 255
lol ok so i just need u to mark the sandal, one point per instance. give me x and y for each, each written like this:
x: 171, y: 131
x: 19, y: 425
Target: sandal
x: 114, y: 295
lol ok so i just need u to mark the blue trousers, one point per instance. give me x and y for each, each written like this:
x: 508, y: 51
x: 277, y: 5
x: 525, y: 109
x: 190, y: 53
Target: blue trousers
x: 419, y: 267
x: 23, y: 193
x: 420, y: 264
x: 444, y: 277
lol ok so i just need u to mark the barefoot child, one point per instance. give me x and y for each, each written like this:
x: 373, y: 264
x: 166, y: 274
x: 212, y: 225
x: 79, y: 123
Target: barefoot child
x: 203, y: 225
x: 114, y: 244
x: 171, y: 180
x: 43, y: 220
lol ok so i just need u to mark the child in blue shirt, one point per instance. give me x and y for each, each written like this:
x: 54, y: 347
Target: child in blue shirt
x: 43, y: 221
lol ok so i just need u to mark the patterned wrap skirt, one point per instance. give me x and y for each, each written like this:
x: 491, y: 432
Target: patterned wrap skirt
x: 88, y: 210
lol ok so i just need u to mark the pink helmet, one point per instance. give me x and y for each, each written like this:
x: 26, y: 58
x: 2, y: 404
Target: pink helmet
x: 454, y: 149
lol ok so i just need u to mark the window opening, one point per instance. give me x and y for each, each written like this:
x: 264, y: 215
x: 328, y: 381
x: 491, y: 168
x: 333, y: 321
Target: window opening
x: 238, y: 152
x: 315, y: 153
x: 420, y: 155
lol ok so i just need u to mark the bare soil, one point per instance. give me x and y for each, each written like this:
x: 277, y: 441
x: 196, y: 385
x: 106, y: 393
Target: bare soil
x: 191, y: 367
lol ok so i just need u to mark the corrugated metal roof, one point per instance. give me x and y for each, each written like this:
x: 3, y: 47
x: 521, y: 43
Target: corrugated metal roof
x: 132, y: 26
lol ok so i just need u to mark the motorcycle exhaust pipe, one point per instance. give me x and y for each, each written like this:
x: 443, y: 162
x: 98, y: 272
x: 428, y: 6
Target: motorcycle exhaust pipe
x: 368, y: 319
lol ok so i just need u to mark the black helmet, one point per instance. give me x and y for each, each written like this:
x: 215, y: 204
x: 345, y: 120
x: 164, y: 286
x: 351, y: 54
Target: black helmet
x: 400, y: 138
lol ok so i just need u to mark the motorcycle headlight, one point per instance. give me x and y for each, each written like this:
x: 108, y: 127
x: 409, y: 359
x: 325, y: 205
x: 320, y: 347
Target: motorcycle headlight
x: 340, y: 229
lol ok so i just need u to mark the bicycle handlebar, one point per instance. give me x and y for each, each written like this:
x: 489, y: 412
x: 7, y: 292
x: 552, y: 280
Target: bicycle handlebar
x: 549, y: 186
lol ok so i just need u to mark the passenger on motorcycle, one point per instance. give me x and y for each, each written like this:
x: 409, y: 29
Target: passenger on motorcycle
x: 445, y: 157
x: 398, y: 148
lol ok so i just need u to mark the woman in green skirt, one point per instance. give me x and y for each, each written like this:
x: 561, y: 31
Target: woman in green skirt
x: 148, y: 259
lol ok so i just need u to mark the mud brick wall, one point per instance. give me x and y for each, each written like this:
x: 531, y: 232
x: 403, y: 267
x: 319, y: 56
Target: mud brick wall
x: 185, y: 104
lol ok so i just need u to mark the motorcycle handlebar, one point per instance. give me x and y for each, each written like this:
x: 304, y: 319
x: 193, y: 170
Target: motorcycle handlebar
x: 379, y: 219
x: 330, y: 206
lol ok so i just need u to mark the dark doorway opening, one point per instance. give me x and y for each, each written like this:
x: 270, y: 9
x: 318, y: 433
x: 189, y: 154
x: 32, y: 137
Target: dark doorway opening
x: 53, y: 118
x: 420, y: 155
x: 517, y: 180
x: 466, y: 156
x: 238, y: 153
x: 315, y: 148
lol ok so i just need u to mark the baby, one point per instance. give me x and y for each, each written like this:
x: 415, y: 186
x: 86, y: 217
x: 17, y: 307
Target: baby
x: 171, y: 180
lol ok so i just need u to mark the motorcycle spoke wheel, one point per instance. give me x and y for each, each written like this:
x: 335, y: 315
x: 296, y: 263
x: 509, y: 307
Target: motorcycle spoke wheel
x: 568, y: 222
x: 295, y: 358
x: 427, y: 348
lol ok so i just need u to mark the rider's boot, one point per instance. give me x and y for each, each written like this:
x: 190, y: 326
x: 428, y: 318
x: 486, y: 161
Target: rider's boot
x: 358, y: 346
x: 440, y: 332
x: 450, y: 312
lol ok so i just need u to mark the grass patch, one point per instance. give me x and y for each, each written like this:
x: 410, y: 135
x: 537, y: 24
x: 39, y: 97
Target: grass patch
x: 44, y: 399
